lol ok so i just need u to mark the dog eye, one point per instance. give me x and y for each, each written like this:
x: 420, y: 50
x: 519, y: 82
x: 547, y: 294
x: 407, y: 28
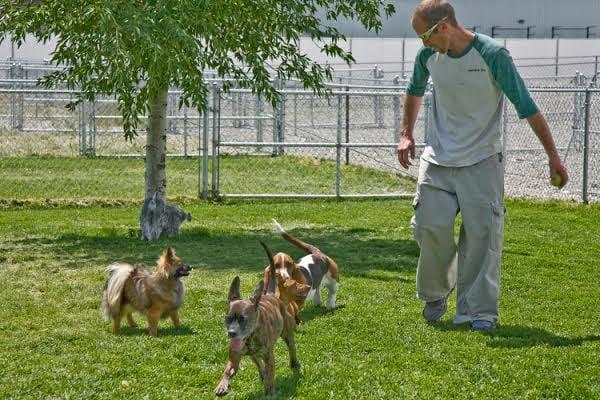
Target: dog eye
x: 241, y: 319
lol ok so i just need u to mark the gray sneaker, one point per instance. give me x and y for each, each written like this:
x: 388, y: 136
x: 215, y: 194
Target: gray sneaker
x: 482, y: 325
x: 435, y: 310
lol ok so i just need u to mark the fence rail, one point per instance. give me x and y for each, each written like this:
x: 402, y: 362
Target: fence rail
x: 356, y: 126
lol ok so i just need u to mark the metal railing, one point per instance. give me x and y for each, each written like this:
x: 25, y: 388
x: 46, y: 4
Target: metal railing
x: 356, y: 127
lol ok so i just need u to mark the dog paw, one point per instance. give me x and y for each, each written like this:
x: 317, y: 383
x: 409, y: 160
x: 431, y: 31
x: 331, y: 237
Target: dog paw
x: 221, y: 390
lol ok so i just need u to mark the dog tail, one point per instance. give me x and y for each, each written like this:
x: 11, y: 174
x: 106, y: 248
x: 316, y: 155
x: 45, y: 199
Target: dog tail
x: 309, y: 248
x: 113, y: 289
x: 272, y: 279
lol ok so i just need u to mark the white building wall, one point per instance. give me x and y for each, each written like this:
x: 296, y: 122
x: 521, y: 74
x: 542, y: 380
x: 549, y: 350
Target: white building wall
x: 543, y: 14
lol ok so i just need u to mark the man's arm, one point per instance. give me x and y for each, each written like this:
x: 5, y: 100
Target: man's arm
x: 406, y: 147
x: 540, y: 127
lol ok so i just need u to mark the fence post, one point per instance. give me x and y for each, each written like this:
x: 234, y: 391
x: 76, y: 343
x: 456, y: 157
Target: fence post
x: 215, y: 140
x: 234, y: 108
x: 338, y: 147
x: 185, y: 131
x: 586, y: 142
x: 347, y: 125
x: 557, y: 58
x: 295, y: 111
x: 13, y: 96
x: 281, y: 124
x: 595, y: 77
x: 397, y: 116
x: 403, y: 55
x: 380, y: 100
x: 82, y: 131
x: 258, y: 123
x: 204, y: 146
x: 375, y: 83
x: 275, y: 122
x: 90, y: 147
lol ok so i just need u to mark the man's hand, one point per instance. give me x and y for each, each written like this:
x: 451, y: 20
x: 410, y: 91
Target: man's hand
x: 406, y: 149
x: 557, y: 167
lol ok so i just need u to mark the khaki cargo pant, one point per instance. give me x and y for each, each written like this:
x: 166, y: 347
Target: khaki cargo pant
x: 473, y: 265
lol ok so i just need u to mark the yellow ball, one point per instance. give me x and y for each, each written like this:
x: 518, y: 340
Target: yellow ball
x: 556, y: 180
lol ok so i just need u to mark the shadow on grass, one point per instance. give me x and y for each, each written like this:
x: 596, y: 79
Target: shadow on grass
x: 284, y: 387
x: 515, y: 336
x: 311, y: 312
x: 167, y: 331
x: 518, y: 336
x: 357, y: 252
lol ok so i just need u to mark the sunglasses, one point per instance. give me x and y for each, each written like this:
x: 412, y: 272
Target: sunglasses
x: 425, y: 36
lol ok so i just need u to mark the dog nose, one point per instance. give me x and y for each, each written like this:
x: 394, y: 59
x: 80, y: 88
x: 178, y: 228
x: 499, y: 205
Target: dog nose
x: 231, y: 333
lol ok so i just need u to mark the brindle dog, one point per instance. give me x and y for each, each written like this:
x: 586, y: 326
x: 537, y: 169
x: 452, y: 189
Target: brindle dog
x: 253, y: 327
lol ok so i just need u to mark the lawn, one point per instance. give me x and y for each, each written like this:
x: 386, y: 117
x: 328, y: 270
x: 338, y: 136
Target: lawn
x: 374, y: 345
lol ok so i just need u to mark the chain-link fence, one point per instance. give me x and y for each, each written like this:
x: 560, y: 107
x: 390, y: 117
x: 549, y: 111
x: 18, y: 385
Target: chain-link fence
x: 349, y: 138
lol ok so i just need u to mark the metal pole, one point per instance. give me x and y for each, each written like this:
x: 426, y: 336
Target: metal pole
x: 380, y: 101
x: 258, y: 123
x: 82, y: 132
x: 350, y: 66
x: 295, y: 114
x: 376, y: 83
x: 397, y: 117
x: 347, y: 125
x: 204, y: 158
x: 185, y: 122
x: 556, y: 57
x: 89, y: 150
x: 586, y: 142
x: 338, y: 148
x: 215, y: 144
x: 595, y: 77
x: 282, y: 112
x: 403, y: 55
x: 275, y: 124
x: 13, y: 97
x: 21, y: 97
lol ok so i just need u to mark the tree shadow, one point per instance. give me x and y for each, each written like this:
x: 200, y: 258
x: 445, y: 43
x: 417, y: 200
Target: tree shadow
x: 311, y: 312
x: 356, y: 251
x: 518, y: 336
x: 283, y: 388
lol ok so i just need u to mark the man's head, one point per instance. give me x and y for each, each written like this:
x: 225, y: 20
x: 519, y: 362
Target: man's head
x: 433, y: 22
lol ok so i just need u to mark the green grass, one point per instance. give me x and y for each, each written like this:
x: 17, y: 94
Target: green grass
x: 53, y: 343
x: 62, y: 220
x: 81, y: 179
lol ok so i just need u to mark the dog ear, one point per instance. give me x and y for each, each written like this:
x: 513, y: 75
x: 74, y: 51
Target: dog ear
x: 169, y: 254
x: 257, y: 294
x: 234, y: 290
x: 266, y: 279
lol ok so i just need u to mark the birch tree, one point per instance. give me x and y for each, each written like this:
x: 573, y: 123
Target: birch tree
x: 135, y: 50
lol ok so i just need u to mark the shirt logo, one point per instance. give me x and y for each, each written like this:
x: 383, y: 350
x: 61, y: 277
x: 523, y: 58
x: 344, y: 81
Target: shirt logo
x: 476, y: 70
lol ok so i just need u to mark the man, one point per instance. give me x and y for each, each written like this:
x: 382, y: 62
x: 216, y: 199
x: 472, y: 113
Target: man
x: 462, y: 167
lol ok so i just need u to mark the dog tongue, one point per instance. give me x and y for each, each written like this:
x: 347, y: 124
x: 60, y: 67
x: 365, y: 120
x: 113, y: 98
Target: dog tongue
x: 236, y: 344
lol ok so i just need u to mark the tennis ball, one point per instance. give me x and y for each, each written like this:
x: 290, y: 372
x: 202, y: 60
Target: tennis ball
x: 556, y: 180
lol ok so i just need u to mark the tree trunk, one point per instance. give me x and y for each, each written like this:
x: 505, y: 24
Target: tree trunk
x: 156, y: 215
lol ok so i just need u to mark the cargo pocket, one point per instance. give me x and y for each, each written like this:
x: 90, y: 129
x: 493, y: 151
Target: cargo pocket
x: 497, y: 228
x: 413, y: 221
